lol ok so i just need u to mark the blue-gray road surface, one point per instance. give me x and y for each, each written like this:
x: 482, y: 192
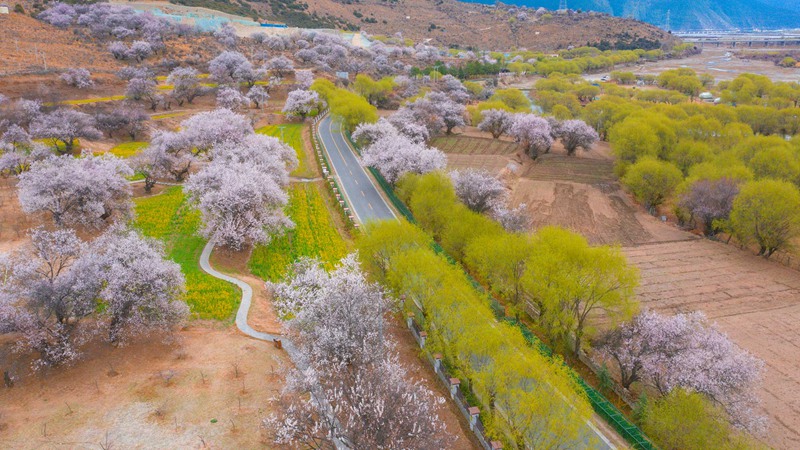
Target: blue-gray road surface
x: 360, y: 193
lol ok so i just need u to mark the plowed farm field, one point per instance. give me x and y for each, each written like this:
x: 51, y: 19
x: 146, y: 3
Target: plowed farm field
x: 756, y: 302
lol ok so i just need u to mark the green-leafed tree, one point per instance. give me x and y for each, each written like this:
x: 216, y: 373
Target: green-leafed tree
x: 652, y: 181
x: 767, y: 213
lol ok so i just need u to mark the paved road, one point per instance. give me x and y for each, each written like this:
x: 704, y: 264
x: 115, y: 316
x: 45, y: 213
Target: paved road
x: 368, y: 205
x: 360, y: 193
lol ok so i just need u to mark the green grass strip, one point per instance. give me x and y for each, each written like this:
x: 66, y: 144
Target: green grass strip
x: 314, y: 235
x: 168, y: 217
x: 292, y: 136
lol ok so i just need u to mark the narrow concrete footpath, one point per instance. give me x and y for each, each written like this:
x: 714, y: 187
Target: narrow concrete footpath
x: 242, y: 325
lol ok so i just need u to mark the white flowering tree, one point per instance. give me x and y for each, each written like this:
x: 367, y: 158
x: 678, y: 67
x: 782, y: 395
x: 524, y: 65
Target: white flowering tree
x: 337, y: 320
x: 395, y: 155
x: 231, y: 98
x: 533, y: 133
x: 576, y: 134
x: 258, y: 95
x: 76, y: 191
x: 478, y: 189
x: 686, y: 351
x: 203, y: 131
x: 45, y: 293
x: 241, y: 193
x: 301, y: 103
x: 496, y: 121
x: 50, y: 288
x: 64, y: 127
x: 142, y: 292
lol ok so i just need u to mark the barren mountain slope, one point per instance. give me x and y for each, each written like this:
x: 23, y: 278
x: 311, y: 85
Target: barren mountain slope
x: 450, y: 22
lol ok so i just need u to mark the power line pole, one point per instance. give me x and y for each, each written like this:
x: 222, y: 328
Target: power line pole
x: 669, y: 28
x: 562, y: 5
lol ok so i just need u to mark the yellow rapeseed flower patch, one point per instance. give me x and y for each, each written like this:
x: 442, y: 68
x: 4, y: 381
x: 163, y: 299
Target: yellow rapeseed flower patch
x: 314, y: 235
x: 169, y: 218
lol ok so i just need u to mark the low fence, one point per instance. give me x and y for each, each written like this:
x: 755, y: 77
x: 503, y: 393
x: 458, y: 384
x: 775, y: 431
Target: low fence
x: 630, y: 432
x: 471, y: 413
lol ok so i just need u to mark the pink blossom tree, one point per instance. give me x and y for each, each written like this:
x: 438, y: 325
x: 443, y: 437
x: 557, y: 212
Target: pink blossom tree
x: 204, y: 130
x: 437, y: 111
x: 78, y: 78
x: 60, y: 15
x: 576, y: 133
x: 280, y: 65
x: 65, y: 126
x: 140, y: 50
x: 478, y: 189
x: 45, y: 293
x: 240, y: 193
x: 303, y: 78
x: 336, y: 317
x: 169, y: 153
x: 239, y: 204
x: 231, y: 98
x: 129, y: 119
x: 142, y: 291
x: 229, y: 66
x: 686, y: 351
x: 144, y: 89
x: 366, y: 133
x: 258, y: 95
x: 496, y: 121
x: 337, y: 321
x: 185, y: 83
x: 226, y: 35
x: 84, y: 191
x: 17, y: 159
x: 395, y: 155
x: 300, y: 103
x: 515, y: 220
x: 268, y: 154
x: 16, y: 136
x: 533, y: 133
x: 710, y: 202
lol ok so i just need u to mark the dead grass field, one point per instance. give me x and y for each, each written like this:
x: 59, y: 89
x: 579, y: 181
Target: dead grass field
x: 755, y: 301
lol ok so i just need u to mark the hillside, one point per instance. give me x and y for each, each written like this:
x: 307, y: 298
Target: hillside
x: 690, y: 15
x: 454, y: 23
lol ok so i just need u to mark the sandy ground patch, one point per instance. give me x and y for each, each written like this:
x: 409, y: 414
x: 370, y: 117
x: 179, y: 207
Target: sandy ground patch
x: 150, y: 395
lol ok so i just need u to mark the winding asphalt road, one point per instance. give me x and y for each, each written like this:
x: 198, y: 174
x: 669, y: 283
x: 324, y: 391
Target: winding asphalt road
x: 360, y: 193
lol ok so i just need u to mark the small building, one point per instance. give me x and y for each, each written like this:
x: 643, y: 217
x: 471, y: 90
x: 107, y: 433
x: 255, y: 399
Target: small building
x: 707, y: 97
x: 4, y: 9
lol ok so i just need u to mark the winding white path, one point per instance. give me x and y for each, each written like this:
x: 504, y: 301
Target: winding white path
x: 244, y: 306
x: 244, y: 327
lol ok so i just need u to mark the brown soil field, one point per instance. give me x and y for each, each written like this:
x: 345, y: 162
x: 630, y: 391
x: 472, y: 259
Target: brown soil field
x: 755, y: 301
x: 577, y: 192
x: 31, y: 45
x: 185, y: 395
